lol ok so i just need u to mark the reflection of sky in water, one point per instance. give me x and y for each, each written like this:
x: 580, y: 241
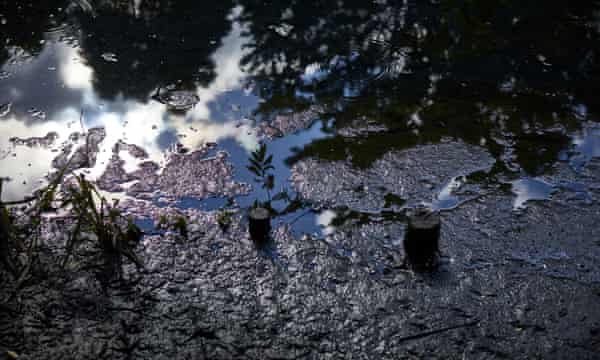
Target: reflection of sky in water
x: 59, y: 83
x: 446, y: 199
x: 302, y: 220
x: 587, y: 146
x: 528, y: 189
x: 325, y: 220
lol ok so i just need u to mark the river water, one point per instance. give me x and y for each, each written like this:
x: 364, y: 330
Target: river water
x: 368, y: 108
x: 364, y: 79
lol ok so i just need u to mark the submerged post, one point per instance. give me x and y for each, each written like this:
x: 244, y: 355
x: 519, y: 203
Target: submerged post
x: 259, y: 221
x: 421, y: 241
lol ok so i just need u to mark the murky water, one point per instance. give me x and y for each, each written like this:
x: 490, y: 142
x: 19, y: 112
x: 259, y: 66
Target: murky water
x: 90, y: 65
x: 386, y: 81
x: 390, y: 77
x: 487, y: 111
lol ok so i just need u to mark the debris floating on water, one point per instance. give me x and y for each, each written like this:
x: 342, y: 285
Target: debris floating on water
x: 45, y: 141
x: 133, y: 150
x: 285, y: 124
x: 177, y: 100
x: 110, y: 57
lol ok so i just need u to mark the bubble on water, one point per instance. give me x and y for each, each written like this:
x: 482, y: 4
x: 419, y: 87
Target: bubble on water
x: 110, y: 57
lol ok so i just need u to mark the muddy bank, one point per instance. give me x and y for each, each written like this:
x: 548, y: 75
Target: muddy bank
x: 216, y: 297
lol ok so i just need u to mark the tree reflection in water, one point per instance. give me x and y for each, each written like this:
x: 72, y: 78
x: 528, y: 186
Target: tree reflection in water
x: 160, y: 43
x: 504, y: 75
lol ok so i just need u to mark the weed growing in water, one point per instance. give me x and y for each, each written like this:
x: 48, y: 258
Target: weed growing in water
x: 180, y: 225
x: 260, y: 166
x: 113, y: 233
x: 224, y: 219
x: 174, y: 222
x: 93, y: 221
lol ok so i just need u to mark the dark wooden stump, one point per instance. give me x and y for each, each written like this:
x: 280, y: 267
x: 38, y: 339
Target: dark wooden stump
x: 260, y: 225
x: 421, y: 242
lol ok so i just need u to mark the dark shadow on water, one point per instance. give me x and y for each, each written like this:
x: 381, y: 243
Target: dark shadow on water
x: 510, y: 76
x: 160, y: 44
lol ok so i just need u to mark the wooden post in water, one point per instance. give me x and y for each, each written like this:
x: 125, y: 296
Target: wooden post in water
x: 259, y: 221
x: 421, y: 242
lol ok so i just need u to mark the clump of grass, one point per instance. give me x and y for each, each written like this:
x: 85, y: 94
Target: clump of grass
x: 114, y: 234
x: 180, y: 225
x: 163, y: 222
x: 224, y: 219
x: 93, y: 219
x: 175, y: 222
x: 18, y: 242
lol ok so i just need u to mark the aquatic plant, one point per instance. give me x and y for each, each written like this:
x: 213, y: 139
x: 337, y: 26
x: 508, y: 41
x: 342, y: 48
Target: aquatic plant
x: 177, y: 222
x: 260, y: 166
x: 224, y: 219
x: 180, y: 225
x: 90, y: 216
x: 18, y: 240
x: 114, y: 234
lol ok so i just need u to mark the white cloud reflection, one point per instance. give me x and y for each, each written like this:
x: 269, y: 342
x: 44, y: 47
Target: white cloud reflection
x: 133, y: 122
x: 325, y: 220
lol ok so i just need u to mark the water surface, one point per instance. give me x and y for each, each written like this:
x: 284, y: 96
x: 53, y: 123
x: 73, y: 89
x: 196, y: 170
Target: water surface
x: 337, y: 82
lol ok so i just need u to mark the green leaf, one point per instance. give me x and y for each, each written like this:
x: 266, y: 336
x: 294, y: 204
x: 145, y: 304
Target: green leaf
x: 258, y: 164
x: 254, y: 170
x: 262, y: 151
x: 269, y: 160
